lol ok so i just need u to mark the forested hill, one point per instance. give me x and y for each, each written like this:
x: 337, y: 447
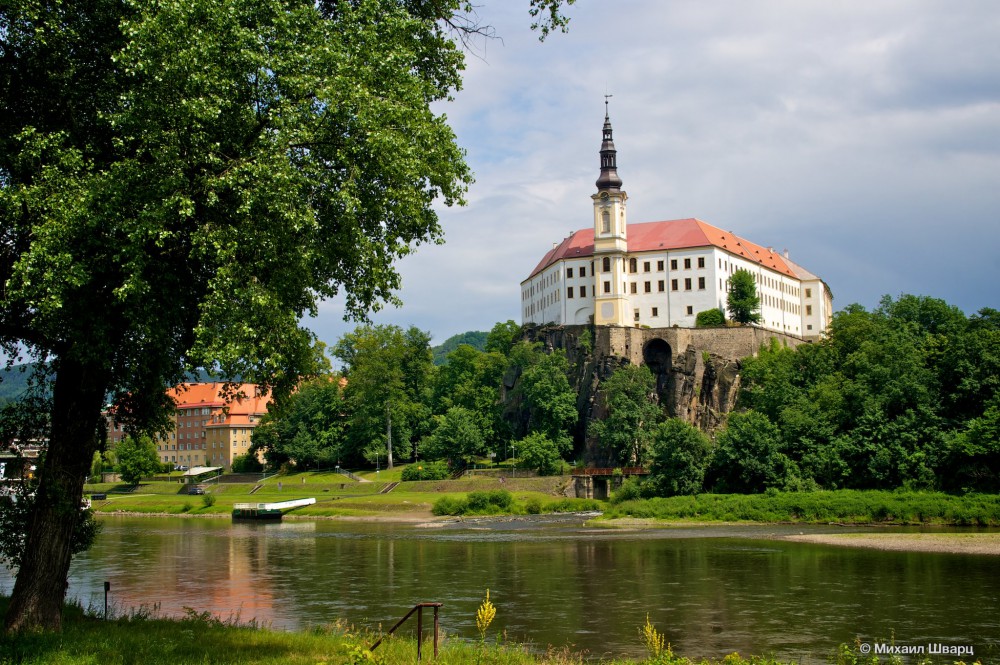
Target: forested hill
x: 474, y: 338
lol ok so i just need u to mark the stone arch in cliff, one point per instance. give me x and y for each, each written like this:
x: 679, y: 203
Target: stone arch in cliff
x: 658, y: 356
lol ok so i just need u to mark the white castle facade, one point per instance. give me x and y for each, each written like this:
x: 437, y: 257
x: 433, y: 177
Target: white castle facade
x: 662, y: 274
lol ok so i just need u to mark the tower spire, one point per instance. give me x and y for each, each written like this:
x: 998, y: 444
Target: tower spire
x: 608, y: 180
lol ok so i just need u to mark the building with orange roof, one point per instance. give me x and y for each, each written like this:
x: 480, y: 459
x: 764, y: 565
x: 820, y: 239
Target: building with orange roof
x: 662, y: 274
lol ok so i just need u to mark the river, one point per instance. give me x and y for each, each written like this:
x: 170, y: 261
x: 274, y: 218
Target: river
x: 711, y: 590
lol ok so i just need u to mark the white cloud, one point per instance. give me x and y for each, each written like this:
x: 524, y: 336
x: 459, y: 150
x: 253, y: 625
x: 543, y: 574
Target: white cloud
x: 864, y: 137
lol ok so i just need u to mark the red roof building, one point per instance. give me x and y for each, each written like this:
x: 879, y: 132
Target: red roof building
x: 662, y: 274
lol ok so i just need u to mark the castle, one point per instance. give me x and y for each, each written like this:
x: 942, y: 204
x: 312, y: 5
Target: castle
x: 662, y: 274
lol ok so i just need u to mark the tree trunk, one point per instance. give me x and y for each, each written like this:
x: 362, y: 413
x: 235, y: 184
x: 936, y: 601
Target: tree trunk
x: 37, y: 600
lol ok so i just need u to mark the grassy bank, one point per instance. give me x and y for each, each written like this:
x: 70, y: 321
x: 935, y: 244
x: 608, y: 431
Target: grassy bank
x: 339, y: 496
x: 198, y: 638
x: 847, y: 506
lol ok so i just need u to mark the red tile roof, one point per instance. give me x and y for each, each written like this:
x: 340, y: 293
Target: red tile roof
x: 187, y: 395
x: 667, y: 235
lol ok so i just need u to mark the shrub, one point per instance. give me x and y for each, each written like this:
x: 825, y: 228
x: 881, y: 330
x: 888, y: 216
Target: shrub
x: 710, y: 317
x: 426, y: 471
x: 246, y: 464
x: 447, y: 505
x: 533, y: 506
x: 208, y: 500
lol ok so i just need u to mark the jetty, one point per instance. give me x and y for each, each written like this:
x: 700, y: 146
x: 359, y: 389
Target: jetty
x: 268, y: 511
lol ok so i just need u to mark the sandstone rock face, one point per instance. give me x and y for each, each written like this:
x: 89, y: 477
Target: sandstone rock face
x: 697, y: 370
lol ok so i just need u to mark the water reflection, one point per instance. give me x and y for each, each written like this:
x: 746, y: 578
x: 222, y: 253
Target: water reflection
x: 711, y: 590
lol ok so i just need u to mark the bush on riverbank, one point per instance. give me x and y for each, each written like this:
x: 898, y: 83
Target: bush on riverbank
x: 824, y: 506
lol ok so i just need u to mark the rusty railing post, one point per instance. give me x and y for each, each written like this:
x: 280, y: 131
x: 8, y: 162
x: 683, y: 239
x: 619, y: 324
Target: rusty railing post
x: 436, y: 608
x: 420, y: 629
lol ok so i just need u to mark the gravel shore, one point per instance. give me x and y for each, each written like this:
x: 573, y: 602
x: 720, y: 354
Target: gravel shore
x: 955, y: 543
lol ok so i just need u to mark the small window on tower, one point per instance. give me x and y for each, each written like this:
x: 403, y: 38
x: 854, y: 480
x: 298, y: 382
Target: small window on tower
x: 632, y: 287
x: 633, y: 266
x: 606, y: 264
x: 605, y: 221
x: 607, y: 287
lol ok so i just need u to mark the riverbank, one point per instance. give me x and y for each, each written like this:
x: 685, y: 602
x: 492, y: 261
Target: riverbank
x: 199, y: 638
x: 951, y: 543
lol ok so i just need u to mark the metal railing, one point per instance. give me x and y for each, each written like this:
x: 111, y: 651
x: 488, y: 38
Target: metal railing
x: 419, y: 609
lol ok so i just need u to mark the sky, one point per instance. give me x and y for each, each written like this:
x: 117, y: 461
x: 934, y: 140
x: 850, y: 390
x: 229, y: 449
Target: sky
x: 863, y: 137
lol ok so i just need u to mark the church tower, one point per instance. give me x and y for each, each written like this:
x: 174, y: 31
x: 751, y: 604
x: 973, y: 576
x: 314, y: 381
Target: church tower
x: 610, y: 241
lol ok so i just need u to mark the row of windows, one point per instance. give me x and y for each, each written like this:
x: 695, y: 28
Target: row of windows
x: 582, y: 272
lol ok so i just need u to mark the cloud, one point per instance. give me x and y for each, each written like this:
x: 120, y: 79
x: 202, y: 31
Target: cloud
x: 864, y: 137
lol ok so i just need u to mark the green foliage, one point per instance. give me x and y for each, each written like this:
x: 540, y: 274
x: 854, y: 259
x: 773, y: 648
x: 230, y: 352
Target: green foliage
x: 491, y: 502
x: 848, y: 506
x: 538, y: 452
x: 306, y: 431
x: 137, y: 458
x: 900, y: 396
x: 743, y: 302
x: 389, y: 374
x: 247, y: 463
x: 546, y: 392
x: 456, y: 436
x: 710, y: 317
x: 629, y: 490
x: 426, y: 471
x: 681, y: 456
x: 503, y: 337
x: 626, y: 433
x: 208, y: 500
x: 749, y: 456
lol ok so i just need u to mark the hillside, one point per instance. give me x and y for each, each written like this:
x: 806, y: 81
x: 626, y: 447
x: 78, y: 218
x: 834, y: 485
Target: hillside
x: 474, y: 338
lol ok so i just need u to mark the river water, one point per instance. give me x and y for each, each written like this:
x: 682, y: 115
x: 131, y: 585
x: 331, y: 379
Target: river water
x: 555, y: 582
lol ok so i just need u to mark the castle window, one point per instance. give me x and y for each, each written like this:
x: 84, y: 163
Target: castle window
x: 607, y: 286
x: 569, y: 292
x: 690, y: 310
x: 701, y: 283
x: 583, y: 291
x: 647, y: 287
x: 635, y: 315
x: 660, y: 286
x: 809, y: 327
x: 673, y: 285
x: 687, y: 283
x: 687, y: 264
x: 605, y: 221
x: 633, y: 266
x: 701, y: 261
x: 656, y: 311
x: 673, y: 264
x: 632, y: 288
x: 606, y: 264
x: 659, y: 265
x: 583, y: 271
x: 645, y: 266
x: 809, y: 293
x: 809, y: 310
x: 569, y: 273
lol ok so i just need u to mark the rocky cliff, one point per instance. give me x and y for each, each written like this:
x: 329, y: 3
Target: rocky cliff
x: 697, y: 370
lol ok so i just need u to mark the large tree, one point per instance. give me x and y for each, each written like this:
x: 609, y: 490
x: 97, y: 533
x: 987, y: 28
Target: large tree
x: 626, y: 434
x: 180, y: 183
